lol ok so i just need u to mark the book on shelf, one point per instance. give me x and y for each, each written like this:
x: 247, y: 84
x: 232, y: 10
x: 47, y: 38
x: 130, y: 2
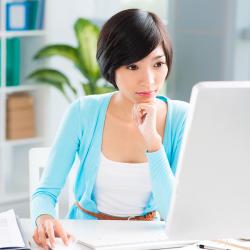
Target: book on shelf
x: 36, y: 14
x: 24, y: 15
x: 16, y: 15
x: 41, y: 14
x: 12, y: 61
x: 20, y: 122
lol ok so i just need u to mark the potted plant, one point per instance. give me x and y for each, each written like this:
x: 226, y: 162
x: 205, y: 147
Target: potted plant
x: 83, y: 57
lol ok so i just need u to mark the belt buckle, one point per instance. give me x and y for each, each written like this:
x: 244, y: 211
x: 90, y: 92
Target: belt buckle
x: 131, y: 217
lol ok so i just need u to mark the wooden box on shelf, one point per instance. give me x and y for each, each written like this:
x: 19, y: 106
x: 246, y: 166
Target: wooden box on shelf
x: 20, y: 116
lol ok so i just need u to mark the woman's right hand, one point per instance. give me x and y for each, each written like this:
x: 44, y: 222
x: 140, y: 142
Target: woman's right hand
x: 47, y: 229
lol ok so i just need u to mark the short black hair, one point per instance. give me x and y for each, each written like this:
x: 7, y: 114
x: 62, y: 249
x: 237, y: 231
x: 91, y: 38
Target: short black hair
x: 128, y: 37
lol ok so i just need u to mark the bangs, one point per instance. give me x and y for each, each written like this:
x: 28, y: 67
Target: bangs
x: 144, y: 39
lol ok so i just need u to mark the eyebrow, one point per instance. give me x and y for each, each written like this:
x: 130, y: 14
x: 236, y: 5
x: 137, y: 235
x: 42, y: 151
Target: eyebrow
x: 157, y: 57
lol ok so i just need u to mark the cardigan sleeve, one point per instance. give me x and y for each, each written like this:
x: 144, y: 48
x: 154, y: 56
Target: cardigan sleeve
x: 61, y: 159
x: 162, y: 179
x: 163, y: 171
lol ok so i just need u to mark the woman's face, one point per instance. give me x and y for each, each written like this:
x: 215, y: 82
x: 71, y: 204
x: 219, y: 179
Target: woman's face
x: 140, y: 81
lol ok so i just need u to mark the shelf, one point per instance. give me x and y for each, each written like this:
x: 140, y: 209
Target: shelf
x: 21, y: 142
x: 26, y: 33
x: 20, y: 88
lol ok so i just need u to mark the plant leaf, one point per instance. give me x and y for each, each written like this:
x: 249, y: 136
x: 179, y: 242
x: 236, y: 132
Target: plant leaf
x: 104, y: 89
x: 97, y: 90
x: 87, y: 34
x: 53, y: 78
x: 87, y: 89
x: 62, y: 50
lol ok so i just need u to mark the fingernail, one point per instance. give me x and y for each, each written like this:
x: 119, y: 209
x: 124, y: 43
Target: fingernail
x: 48, y: 247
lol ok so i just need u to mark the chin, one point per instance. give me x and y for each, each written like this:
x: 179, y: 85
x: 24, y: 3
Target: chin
x: 140, y: 99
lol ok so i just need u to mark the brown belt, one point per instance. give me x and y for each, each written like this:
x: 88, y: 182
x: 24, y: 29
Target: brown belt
x: 101, y: 216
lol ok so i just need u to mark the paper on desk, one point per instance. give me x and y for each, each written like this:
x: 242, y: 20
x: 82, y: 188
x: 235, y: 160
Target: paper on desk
x: 235, y: 244
x: 10, y: 235
x: 231, y: 244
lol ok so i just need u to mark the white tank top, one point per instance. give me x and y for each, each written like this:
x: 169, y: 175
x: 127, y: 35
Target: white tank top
x: 122, y: 189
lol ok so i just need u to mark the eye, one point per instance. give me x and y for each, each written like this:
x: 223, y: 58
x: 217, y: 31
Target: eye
x: 132, y: 67
x: 159, y: 64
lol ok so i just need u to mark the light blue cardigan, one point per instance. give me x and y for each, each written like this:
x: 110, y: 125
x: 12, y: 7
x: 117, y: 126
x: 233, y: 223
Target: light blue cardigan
x: 81, y: 133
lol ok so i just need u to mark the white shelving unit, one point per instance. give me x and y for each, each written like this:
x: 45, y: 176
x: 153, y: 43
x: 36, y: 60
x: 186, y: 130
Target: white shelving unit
x: 10, y: 34
x: 14, y: 188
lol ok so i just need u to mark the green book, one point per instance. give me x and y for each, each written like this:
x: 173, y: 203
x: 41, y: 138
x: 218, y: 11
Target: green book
x: 13, y: 62
x: 0, y: 64
x: 33, y: 14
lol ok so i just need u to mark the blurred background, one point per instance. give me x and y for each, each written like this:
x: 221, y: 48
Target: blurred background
x: 211, y: 41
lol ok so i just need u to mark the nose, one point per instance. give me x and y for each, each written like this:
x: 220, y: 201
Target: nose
x: 147, y: 79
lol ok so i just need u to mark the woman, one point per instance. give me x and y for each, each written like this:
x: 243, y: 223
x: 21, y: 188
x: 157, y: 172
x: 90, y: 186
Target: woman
x: 127, y: 141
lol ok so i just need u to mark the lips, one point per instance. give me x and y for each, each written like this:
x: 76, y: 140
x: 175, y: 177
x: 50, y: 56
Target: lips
x: 146, y: 93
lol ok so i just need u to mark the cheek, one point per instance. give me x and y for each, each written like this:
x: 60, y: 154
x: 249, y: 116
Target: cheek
x: 120, y: 82
x: 120, y: 77
x: 163, y: 75
x: 124, y: 80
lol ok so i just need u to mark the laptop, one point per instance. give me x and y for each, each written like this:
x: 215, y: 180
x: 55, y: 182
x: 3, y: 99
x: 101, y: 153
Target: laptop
x: 211, y: 199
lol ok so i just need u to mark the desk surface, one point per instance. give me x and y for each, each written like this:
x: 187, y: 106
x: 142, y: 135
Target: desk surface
x: 92, y: 229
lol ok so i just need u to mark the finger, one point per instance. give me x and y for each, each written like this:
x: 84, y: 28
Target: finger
x: 143, y: 117
x: 139, y: 111
x: 71, y: 238
x: 147, y: 107
x: 36, y: 238
x: 136, y: 108
x: 49, y: 229
x: 136, y: 114
x: 143, y: 111
x: 47, y: 244
x: 133, y: 113
x: 149, y: 110
x: 42, y: 236
x: 61, y: 233
x: 142, y: 114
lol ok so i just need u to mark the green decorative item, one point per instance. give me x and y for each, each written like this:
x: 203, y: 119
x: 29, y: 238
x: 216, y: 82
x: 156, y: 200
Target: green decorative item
x: 13, y: 62
x: 83, y: 57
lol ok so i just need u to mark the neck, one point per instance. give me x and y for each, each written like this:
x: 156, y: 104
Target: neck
x: 122, y: 107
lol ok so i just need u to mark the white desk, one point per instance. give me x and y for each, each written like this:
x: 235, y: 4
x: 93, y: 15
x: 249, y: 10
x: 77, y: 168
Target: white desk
x: 94, y: 229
